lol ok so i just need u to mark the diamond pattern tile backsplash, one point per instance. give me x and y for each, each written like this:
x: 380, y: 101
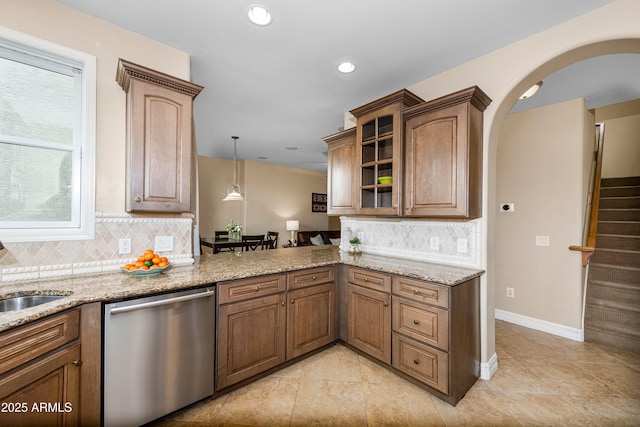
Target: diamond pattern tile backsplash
x: 39, y: 260
x: 446, y: 242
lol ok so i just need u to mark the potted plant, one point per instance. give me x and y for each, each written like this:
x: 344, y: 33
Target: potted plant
x: 235, y: 231
x: 354, y: 246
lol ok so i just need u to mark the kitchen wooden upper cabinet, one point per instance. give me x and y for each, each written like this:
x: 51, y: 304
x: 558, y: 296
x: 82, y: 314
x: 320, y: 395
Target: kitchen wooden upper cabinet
x: 378, y: 161
x: 341, y: 172
x: 159, y: 139
x: 443, y: 156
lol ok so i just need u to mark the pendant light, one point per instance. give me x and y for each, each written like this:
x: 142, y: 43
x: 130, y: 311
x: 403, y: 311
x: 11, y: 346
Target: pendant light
x: 234, y: 194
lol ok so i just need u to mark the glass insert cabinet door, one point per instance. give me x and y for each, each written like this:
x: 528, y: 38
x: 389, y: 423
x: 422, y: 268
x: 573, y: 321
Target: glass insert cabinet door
x: 379, y: 145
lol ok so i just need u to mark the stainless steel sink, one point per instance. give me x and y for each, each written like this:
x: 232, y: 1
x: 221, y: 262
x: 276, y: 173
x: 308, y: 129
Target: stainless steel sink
x: 19, y: 303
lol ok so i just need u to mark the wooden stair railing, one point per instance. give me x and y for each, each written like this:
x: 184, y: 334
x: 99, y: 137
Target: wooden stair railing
x: 590, y: 245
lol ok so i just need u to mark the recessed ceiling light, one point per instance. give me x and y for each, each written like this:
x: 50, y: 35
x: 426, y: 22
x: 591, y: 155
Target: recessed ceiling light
x: 262, y: 158
x: 347, y: 67
x: 531, y: 91
x: 291, y: 148
x: 259, y: 15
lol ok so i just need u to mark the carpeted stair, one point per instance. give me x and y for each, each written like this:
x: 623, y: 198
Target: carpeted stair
x: 612, y: 312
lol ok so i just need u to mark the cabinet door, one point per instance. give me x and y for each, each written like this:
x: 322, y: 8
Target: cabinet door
x: 378, y: 157
x: 341, y: 173
x: 251, y: 338
x: 159, y: 168
x: 436, y: 160
x: 369, y: 327
x: 45, y: 392
x: 310, y: 319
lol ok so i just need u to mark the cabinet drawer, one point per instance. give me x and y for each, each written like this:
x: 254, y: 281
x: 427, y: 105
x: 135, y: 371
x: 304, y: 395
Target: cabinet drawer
x: 421, y: 322
x: 244, y: 289
x: 422, y: 362
x: 33, y: 340
x: 370, y: 279
x: 422, y: 291
x: 310, y: 277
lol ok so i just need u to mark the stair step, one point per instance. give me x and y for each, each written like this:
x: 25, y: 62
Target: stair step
x: 614, y: 241
x: 618, y: 214
x: 608, y: 319
x: 614, y: 273
x: 612, y: 339
x: 619, y: 257
x: 613, y: 296
x: 619, y: 202
x: 630, y: 228
x: 624, y: 191
x: 618, y: 182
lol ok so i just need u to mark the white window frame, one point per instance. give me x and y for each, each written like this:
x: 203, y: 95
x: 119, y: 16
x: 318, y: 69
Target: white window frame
x: 84, y: 147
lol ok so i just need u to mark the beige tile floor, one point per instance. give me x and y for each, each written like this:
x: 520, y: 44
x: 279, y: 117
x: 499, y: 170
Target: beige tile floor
x: 542, y: 380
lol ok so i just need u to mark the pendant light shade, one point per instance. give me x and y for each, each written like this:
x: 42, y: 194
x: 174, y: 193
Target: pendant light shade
x: 234, y: 193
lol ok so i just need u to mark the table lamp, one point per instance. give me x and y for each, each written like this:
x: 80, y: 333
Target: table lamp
x: 293, y: 225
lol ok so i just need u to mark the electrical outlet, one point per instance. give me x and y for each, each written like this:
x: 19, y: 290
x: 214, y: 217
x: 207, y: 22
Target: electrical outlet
x: 462, y: 245
x: 434, y: 243
x: 511, y: 293
x: 164, y: 244
x: 124, y: 246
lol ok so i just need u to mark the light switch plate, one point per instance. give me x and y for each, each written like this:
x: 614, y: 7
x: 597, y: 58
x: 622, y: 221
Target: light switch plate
x: 542, y: 240
x: 164, y: 244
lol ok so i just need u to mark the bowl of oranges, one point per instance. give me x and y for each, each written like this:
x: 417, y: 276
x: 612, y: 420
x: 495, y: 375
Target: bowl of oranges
x: 147, y: 264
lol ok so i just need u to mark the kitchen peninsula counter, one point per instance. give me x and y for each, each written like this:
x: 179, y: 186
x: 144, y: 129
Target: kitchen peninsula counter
x: 210, y: 269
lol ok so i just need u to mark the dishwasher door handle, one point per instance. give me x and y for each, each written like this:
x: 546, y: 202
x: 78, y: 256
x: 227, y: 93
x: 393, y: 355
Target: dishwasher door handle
x: 126, y: 309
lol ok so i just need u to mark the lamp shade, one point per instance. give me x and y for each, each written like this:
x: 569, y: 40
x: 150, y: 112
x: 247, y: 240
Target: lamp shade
x: 293, y: 225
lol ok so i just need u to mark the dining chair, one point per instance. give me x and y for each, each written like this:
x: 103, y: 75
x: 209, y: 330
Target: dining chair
x: 271, y: 240
x: 224, y: 234
x: 252, y: 241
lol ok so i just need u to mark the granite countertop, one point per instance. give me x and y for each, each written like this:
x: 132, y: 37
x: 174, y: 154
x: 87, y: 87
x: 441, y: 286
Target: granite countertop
x: 209, y: 269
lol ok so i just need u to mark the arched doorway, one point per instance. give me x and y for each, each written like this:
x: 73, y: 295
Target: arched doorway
x: 537, y: 72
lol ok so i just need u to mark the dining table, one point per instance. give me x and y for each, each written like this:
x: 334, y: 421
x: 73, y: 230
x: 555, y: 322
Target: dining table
x: 220, y: 244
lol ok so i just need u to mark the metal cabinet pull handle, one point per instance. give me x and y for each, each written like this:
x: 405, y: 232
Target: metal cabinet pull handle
x: 416, y: 361
x: 415, y: 322
x: 77, y: 363
x: 256, y: 289
x: 313, y: 278
x: 283, y: 303
x: 292, y: 301
x: 366, y: 279
x: 138, y: 199
x: 386, y: 304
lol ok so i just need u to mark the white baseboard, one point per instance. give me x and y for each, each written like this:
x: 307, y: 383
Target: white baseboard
x: 540, y: 325
x: 488, y: 369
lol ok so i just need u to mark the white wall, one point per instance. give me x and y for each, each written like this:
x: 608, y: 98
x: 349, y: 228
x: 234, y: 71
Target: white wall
x: 621, y: 154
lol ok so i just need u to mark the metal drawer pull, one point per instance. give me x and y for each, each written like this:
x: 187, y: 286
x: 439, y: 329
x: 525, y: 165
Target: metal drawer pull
x: 283, y: 303
x: 366, y: 279
x: 292, y: 301
x: 313, y: 278
x: 256, y: 289
x: 416, y: 362
x: 415, y: 291
x: 386, y: 304
x: 415, y: 322
x: 77, y: 363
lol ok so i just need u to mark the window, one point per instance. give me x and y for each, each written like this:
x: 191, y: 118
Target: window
x: 47, y: 140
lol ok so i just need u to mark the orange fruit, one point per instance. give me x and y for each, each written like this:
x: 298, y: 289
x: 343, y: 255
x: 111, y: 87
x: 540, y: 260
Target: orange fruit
x: 156, y: 260
x: 163, y: 264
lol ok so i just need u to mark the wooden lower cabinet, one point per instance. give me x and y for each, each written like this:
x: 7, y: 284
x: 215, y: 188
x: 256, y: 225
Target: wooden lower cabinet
x: 251, y: 338
x: 427, y: 364
x: 40, y: 371
x: 310, y: 319
x: 369, y: 324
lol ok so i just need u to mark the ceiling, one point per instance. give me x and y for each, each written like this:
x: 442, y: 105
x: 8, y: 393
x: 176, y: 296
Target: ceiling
x: 277, y: 87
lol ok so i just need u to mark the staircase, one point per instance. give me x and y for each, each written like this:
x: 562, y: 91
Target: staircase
x: 612, y: 311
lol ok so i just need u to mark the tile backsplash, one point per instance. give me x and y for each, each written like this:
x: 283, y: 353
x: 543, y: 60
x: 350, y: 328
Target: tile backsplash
x: 446, y: 242
x: 40, y: 260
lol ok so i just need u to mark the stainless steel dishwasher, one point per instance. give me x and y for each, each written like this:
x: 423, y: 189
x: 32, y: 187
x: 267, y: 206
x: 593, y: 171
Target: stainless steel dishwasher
x: 158, y: 355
